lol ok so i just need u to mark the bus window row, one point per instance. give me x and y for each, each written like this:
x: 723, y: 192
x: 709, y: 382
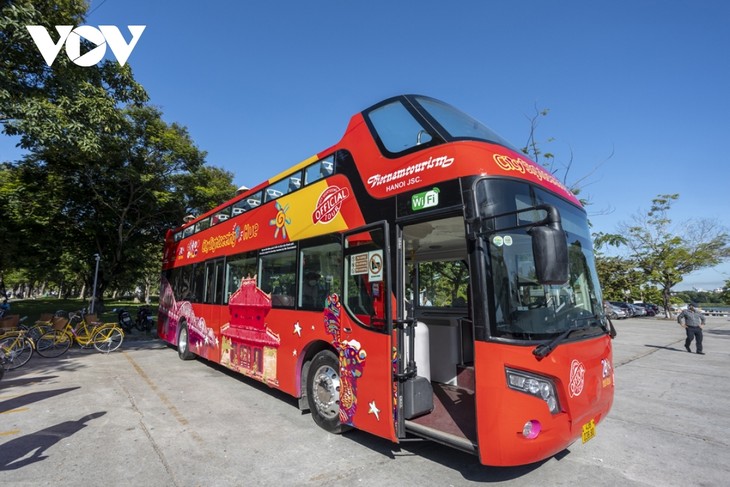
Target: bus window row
x: 310, y: 174
x: 301, y: 278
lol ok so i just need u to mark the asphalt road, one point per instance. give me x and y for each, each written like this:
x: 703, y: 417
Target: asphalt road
x: 141, y: 416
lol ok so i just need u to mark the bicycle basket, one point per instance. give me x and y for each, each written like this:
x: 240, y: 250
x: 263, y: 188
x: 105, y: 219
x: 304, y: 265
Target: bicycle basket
x: 9, y: 322
x: 59, y: 323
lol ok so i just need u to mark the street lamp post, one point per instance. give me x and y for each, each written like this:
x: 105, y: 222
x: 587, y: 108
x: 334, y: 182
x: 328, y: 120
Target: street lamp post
x: 93, y: 293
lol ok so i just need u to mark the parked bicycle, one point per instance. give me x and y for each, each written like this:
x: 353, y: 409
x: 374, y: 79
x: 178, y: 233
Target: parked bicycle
x: 41, y: 325
x: 2, y: 364
x: 86, y: 331
x: 16, y: 347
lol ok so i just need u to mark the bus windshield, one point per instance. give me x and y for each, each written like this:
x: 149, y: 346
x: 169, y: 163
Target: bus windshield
x: 522, y: 308
x: 458, y: 124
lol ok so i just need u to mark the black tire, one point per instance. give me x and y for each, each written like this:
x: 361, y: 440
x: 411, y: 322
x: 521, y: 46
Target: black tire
x: 17, y: 351
x: 183, y: 346
x: 107, y: 339
x: 144, y: 325
x: 53, y: 343
x: 323, y: 392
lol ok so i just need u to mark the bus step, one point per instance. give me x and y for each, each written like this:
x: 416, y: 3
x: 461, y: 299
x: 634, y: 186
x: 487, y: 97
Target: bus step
x: 465, y: 377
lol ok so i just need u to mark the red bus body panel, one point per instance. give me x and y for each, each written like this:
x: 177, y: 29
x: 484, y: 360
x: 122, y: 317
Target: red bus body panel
x: 385, y: 177
x: 583, y: 376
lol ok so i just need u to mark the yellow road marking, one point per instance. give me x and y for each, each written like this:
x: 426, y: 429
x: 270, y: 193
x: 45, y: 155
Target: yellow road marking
x: 9, y: 433
x: 170, y: 406
x: 17, y: 410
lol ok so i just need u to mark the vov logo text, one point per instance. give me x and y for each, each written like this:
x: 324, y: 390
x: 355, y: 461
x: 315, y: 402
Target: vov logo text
x: 71, y: 37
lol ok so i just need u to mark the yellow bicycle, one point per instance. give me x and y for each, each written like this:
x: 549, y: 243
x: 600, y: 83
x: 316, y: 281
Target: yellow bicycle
x: 15, y: 347
x: 87, y: 331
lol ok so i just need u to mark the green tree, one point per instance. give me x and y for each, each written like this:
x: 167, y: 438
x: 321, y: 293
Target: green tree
x: 666, y: 255
x: 104, y: 174
x: 617, y: 276
x: 65, y: 107
x: 205, y: 188
x: 725, y: 294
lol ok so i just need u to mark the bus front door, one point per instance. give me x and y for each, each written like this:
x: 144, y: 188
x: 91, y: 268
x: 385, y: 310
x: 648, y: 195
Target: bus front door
x: 361, y: 326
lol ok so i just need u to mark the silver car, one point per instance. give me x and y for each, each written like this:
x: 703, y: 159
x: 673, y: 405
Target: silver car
x: 615, y: 312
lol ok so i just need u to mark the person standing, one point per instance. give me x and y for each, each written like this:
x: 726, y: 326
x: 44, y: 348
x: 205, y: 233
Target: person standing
x: 694, y: 321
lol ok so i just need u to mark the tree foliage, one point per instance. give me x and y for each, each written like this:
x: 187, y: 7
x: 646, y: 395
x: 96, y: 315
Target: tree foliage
x: 104, y: 173
x: 64, y: 106
x: 664, y: 254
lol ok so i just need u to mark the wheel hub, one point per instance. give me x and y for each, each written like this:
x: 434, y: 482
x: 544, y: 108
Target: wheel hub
x: 327, y: 392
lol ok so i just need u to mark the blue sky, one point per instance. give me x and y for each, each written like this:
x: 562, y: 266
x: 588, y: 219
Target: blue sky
x: 638, y: 90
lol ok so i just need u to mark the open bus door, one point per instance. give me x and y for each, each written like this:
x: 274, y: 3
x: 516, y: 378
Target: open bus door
x: 362, y: 335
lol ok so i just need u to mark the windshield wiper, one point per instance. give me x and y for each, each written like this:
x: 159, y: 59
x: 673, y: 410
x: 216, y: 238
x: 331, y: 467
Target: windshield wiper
x: 542, y: 351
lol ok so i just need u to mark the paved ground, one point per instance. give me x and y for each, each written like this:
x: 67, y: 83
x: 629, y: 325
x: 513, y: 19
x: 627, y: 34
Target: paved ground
x: 143, y: 417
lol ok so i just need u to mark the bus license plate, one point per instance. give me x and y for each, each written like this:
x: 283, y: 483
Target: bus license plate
x: 589, y: 430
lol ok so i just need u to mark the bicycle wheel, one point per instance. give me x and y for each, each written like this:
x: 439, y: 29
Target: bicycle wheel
x: 35, y: 331
x: 108, y: 338
x: 53, y: 343
x: 17, y: 350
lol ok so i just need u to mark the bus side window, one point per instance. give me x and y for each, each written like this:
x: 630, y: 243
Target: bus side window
x: 238, y: 267
x: 278, y: 277
x: 198, y: 287
x: 318, y: 170
x: 319, y: 274
x: 365, y: 293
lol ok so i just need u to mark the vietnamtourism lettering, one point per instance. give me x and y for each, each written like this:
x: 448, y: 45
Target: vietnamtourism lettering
x: 432, y: 163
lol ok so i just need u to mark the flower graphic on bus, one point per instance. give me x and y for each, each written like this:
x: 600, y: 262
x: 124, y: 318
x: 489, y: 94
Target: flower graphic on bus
x: 281, y: 221
x: 351, y: 356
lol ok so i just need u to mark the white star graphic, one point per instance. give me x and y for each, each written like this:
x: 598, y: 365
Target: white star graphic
x: 297, y: 329
x: 374, y: 410
x: 294, y: 353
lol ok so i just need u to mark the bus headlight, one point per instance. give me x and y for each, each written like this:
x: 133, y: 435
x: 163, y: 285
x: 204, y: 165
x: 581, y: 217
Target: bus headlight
x: 534, y: 385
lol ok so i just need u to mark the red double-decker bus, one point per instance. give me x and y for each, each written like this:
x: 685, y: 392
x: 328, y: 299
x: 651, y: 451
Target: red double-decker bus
x: 421, y: 278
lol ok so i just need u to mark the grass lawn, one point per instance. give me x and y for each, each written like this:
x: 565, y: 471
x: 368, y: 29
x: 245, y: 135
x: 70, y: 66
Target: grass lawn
x: 32, y: 308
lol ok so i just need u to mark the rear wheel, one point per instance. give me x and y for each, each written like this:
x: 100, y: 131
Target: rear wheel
x: 108, y: 339
x: 323, y: 392
x: 183, y: 345
x: 53, y: 343
x: 35, y: 331
x: 17, y: 350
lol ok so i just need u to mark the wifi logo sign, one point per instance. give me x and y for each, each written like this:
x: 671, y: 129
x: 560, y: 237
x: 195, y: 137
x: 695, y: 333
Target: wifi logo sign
x: 105, y: 35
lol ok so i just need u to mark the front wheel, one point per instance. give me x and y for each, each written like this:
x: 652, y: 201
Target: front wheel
x: 108, y: 339
x: 323, y: 391
x: 183, y: 344
x: 17, y: 350
x: 53, y: 343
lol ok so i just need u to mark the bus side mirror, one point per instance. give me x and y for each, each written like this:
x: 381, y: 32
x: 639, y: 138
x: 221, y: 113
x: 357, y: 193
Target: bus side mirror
x: 550, y: 248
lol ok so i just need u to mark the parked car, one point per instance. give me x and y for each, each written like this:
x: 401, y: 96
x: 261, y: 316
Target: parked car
x: 648, y: 309
x: 626, y: 307
x: 638, y: 309
x: 614, y: 312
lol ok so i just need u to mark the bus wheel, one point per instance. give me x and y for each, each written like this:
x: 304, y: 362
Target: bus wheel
x: 183, y: 346
x: 323, y: 391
